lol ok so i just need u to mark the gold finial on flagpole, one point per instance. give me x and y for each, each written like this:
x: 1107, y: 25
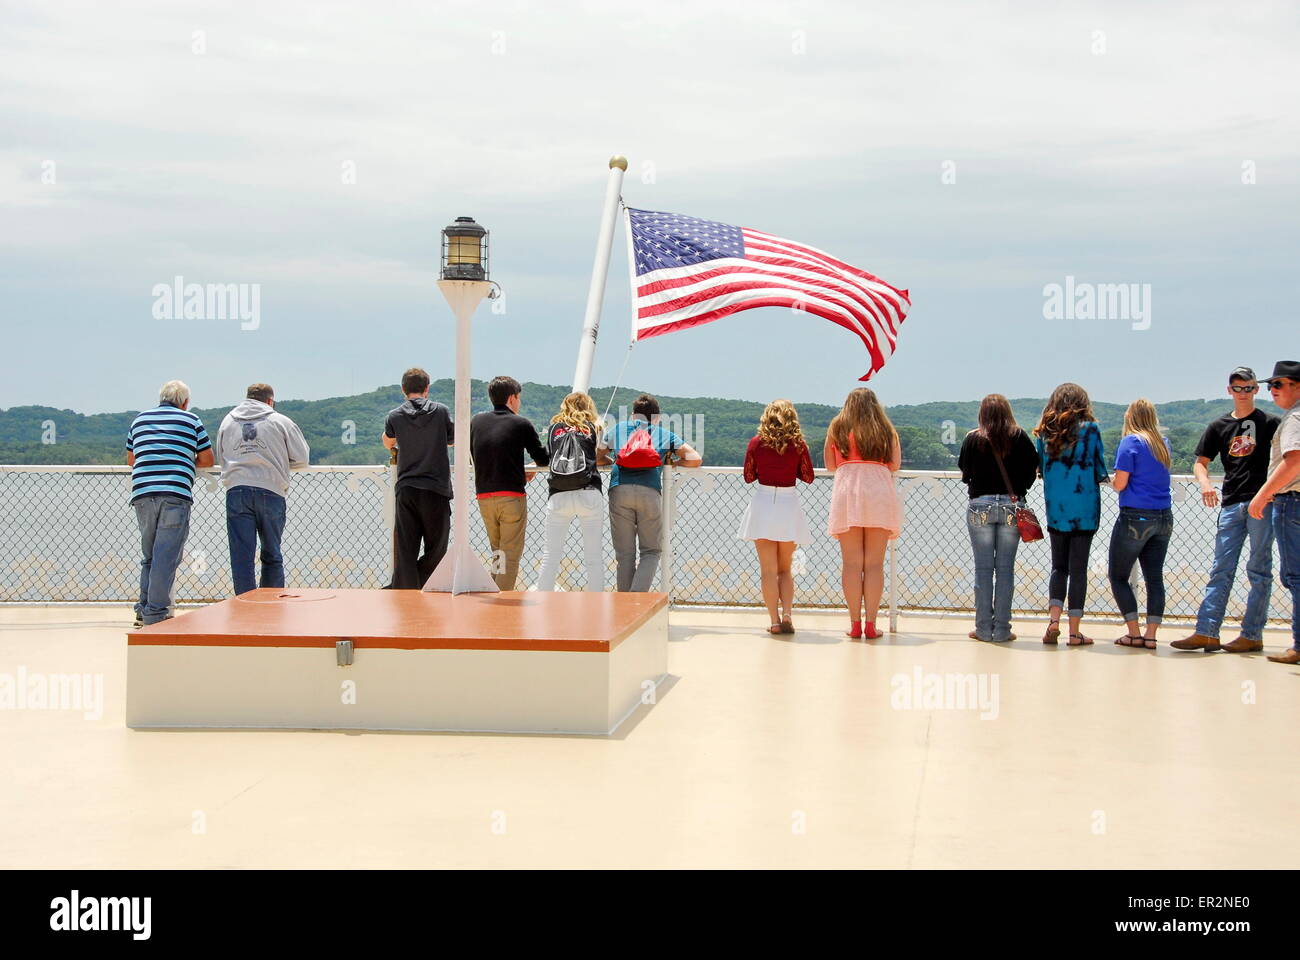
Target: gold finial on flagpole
x: 618, y: 160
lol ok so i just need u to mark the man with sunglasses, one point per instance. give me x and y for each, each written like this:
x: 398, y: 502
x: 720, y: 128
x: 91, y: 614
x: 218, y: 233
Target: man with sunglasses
x: 1282, y: 489
x: 1241, y: 440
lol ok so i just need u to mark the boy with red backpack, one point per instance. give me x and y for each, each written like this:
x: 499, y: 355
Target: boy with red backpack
x: 638, y: 447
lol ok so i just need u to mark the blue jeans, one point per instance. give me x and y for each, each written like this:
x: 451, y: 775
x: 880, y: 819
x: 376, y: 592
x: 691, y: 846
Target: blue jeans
x: 1286, y: 527
x: 1235, y: 525
x: 253, y: 513
x: 1140, y: 536
x: 994, y: 539
x: 164, y: 523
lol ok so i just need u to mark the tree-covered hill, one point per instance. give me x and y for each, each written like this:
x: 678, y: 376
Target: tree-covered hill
x: 345, y: 430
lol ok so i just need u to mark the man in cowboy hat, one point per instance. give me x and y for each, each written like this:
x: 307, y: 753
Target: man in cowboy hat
x: 1242, y: 439
x: 1282, y: 489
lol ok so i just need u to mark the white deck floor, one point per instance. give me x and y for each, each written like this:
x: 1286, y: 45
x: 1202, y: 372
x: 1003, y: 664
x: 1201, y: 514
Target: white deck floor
x: 762, y: 752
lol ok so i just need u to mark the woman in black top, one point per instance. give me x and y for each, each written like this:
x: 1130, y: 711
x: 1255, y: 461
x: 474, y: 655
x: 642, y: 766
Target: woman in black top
x: 991, y: 514
x: 574, y: 488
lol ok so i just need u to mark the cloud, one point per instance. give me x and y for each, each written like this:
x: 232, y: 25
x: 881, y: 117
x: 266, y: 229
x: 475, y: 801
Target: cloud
x: 825, y: 122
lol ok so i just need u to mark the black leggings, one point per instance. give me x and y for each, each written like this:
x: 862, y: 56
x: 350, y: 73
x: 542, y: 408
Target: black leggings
x: 1069, y: 566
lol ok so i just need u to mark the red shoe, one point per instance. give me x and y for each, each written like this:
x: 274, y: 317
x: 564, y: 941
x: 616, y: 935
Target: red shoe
x: 869, y: 632
x: 855, y: 630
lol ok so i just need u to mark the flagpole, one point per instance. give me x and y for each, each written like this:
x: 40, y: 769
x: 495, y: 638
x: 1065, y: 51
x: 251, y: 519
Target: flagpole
x: 599, y: 270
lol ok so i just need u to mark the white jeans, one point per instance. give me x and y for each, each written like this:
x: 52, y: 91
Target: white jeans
x: 588, y: 507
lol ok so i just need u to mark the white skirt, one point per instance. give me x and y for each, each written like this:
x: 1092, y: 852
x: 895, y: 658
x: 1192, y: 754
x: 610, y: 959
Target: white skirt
x: 774, y: 513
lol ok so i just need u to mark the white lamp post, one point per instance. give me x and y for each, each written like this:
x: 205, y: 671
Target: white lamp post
x: 464, y: 281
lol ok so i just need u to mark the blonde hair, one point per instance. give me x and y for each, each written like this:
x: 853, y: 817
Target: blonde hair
x: 577, y: 411
x: 1141, y: 420
x: 863, y: 418
x: 779, y: 428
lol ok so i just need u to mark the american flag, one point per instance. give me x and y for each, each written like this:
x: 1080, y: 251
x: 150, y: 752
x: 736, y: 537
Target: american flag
x: 690, y: 271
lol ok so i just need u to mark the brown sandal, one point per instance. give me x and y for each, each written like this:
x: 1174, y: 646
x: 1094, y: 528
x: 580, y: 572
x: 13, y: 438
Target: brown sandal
x: 1083, y: 641
x: 787, y: 626
x: 1053, y: 633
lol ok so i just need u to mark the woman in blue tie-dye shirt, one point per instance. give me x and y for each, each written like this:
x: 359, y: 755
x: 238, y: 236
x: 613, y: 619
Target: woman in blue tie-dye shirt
x: 1072, y: 464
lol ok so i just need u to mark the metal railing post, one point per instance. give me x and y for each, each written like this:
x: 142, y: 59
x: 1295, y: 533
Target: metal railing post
x: 669, y: 521
x: 390, y: 511
x: 893, y: 586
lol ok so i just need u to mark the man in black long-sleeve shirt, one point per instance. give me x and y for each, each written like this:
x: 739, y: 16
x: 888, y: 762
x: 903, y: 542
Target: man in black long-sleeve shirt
x: 497, y: 441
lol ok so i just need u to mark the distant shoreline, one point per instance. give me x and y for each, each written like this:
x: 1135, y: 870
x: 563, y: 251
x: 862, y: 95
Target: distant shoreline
x: 345, y: 430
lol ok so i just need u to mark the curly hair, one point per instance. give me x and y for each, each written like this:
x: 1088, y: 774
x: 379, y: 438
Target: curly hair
x: 779, y: 428
x: 577, y: 411
x: 1067, y: 407
x: 864, y: 418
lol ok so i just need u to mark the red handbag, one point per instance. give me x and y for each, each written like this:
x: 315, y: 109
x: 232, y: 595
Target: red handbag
x: 1028, y: 525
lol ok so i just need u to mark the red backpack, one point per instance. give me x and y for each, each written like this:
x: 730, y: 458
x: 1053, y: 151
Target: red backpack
x: 638, y: 452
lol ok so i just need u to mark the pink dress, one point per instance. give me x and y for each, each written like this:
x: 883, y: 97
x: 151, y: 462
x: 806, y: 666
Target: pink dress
x: 864, y: 496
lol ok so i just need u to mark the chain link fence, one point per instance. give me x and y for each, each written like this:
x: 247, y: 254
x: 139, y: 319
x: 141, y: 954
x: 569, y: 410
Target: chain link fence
x: 69, y: 535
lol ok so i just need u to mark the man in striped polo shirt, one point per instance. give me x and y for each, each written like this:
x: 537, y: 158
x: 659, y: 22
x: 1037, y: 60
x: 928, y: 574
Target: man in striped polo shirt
x: 163, y: 448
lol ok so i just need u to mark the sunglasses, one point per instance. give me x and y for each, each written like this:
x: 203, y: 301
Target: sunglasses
x: 1278, y: 384
x: 1237, y: 389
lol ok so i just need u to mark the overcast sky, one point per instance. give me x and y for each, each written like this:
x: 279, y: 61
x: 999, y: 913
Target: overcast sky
x: 1110, y: 142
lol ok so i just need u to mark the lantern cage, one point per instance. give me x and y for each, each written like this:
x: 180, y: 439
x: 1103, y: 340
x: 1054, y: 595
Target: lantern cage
x: 464, y: 251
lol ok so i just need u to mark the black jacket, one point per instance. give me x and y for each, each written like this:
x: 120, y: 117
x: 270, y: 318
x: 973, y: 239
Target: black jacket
x: 422, y: 428
x: 497, y: 441
x: 979, y: 468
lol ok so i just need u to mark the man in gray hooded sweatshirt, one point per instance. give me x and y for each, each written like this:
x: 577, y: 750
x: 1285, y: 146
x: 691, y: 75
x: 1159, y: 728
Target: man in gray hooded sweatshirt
x: 257, y: 448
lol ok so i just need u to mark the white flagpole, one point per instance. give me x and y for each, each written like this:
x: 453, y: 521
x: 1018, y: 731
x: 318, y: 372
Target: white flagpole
x: 596, y: 292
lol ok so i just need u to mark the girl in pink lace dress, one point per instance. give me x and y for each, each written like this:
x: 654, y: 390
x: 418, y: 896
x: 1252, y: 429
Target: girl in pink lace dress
x: 863, y: 453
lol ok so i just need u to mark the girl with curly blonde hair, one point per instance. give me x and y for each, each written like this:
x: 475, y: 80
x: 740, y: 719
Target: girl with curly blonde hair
x: 776, y: 457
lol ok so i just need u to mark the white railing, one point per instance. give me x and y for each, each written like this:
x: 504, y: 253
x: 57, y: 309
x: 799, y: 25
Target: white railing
x: 70, y: 536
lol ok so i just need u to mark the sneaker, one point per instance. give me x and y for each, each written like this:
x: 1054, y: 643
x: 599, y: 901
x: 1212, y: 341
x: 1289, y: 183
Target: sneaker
x: 1197, y: 641
x: 1242, y: 645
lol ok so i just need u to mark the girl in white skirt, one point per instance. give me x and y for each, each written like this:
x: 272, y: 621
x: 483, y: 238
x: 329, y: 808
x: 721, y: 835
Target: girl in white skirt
x: 774, y: 519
